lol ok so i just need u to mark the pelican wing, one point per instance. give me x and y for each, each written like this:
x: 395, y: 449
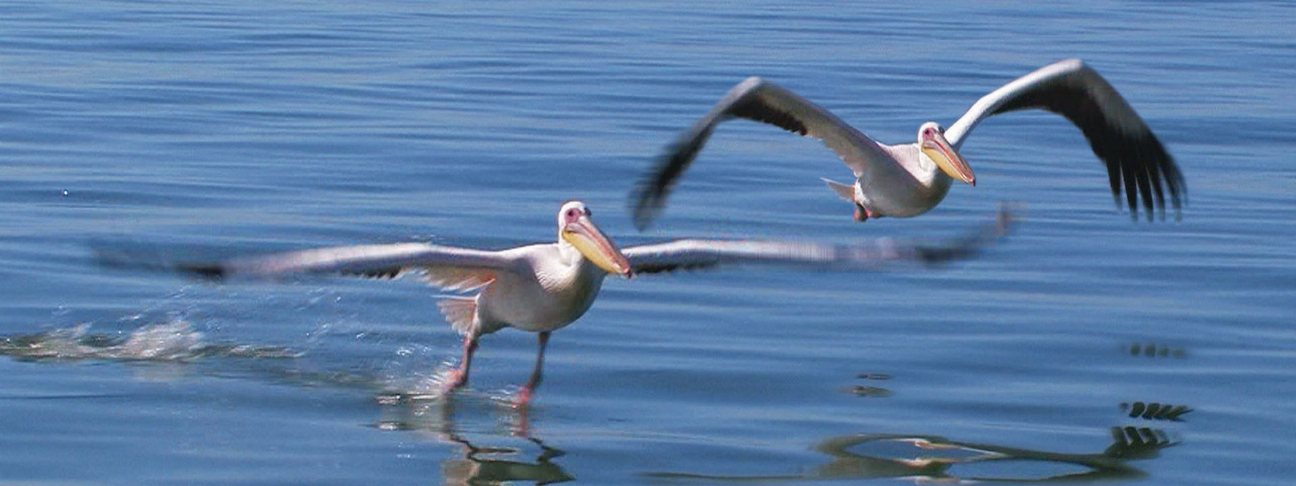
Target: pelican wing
x: 758, y: 100
x: 1118, y: 136
x: 448, y: 267
x: 695, y: 254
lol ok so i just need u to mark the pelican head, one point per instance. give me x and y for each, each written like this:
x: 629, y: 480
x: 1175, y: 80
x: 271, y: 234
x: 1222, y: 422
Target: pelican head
x: 931, y: 140
x: 576, y: 227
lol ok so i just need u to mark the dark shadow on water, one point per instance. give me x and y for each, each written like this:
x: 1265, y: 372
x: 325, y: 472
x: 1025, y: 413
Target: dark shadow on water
x: 934, y: 458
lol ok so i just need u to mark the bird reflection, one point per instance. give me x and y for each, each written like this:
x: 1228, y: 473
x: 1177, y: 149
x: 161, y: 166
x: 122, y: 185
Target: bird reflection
x: 933, y: 458
x: 476, y: 464
x: 869, y: 390
x: 488, y: 465
x: 1153, y: 350
x: 1155, y: 411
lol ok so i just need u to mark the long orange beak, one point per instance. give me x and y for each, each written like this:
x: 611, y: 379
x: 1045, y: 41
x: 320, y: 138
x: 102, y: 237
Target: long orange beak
x: 596, y: 247
x: 939, y: 150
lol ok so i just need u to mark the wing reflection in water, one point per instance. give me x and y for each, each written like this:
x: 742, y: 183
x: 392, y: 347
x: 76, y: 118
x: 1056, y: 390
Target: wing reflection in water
x: 869, y: 390
x: 933, y: 458
x: 1153, y: 350
x: 477, y: 464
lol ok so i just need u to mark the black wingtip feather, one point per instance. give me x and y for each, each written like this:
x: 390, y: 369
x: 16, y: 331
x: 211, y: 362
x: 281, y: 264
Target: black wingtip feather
x: 1136, y: 161
x: 154, y: 260
x: 649, y: 195
x: 651, y: 269
x: 205, y: 271
x: 648, y: 198
x: 753, y: 109
x: 970, y: 244
x: 379, y: 274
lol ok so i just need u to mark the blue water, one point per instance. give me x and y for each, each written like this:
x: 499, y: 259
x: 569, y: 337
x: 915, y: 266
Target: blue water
x: 256, y: 126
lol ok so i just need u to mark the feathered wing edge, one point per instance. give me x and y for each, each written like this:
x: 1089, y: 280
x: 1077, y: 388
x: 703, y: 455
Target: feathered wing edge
x: 757, y: 100
x: 696, y: 254
x: 451, y: 269
x: 1136, y: 161
x: 461, y: 313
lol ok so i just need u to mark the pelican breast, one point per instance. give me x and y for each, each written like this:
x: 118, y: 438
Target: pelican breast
x: 910, y: 187
x: 560, y: 287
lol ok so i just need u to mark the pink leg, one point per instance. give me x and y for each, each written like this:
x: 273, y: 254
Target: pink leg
x: 524, y: 395
x: 459, y: 377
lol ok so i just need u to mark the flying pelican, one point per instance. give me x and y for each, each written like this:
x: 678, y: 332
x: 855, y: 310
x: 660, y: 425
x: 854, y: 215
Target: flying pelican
x: 907, y: 180
x: 544, y: 287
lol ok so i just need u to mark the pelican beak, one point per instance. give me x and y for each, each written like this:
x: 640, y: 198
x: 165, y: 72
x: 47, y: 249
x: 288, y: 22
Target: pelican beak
x: 948, y: 159
x: 596, y: 247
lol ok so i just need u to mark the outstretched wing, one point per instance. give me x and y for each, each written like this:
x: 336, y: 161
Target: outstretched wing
x: 1118, y: 136
x: 696, y: 254
x: 758, y: 100
x: 448, y: 267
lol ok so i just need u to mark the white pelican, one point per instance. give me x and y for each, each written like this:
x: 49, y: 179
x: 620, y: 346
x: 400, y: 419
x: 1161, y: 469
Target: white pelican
x: 544, y: 287
x: 907, y: 180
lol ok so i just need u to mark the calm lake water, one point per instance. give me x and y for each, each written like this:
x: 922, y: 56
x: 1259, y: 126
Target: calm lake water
x: 1085, y: 347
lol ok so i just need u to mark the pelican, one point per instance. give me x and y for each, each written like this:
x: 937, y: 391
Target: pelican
x: 906, y: 180
x: 544, y: 287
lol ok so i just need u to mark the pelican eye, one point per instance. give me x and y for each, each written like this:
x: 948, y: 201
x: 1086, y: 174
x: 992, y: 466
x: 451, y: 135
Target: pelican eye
x: 589, y: 212
x: 573, y: 213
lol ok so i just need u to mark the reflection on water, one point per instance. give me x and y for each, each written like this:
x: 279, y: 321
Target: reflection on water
x: 177, y: 343
x: 1155, y: 411
x: 476, y: 464
x: 516, y: 456
x: 870, y: 390
x: 1156, y: 351
x: 495, y: 465
x: 933, y: 458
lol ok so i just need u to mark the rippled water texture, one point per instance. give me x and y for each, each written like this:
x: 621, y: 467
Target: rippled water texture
x: 1084, y: 347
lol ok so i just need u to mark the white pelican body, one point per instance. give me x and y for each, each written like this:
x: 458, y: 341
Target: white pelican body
x: 557, y: 289
x: 907, y: 180
x: 544, y: 287
x: 907, y: 188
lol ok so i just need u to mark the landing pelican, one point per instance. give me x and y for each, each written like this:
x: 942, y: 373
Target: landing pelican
x: 907, y: 180
x: 544, y: 287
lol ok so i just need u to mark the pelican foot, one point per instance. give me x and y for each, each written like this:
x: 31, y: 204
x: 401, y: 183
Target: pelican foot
x: 454, y: 380
x: 522, y: 399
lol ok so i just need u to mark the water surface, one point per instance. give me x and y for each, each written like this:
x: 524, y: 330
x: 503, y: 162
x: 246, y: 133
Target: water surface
x: 253, y: 126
